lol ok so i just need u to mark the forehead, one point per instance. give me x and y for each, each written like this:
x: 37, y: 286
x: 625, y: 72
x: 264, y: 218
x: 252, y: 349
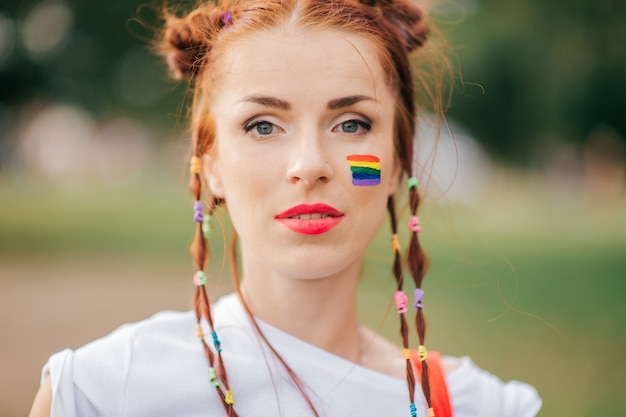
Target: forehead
x: 294, y: 60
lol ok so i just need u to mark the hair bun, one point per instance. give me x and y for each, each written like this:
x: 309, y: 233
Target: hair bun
x: 187, y: 41
x: 407, y: 17
x: 183, y: 52
x: 410, y: 18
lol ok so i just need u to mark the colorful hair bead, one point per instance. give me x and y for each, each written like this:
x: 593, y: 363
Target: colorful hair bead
x: 431, y: 412
x: 413, y: 409
x: 401, y: 301
x: 216, y: 341
x: 206, y: 226
x: 226, y: 17
x: 406, y: 353
x: 395, y: 243
x: 422, y: 352
x: 419, y: 295
x: 195, y: 166
x: 213, y: 377
x: 228, y: 398
x: 414, y: 224
x: 197, y: 211
x: 412, y: 183
x: 199, y: 278
x: 199, y: 331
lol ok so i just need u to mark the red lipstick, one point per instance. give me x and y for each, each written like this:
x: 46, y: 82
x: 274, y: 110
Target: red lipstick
x: 310, y: 219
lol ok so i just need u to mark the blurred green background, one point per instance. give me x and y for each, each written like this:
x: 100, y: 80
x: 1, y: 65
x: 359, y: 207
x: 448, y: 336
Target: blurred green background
x: 524, y: 217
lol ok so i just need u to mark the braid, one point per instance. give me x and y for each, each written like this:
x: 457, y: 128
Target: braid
x: 417, y: 264
x: 406, y: 21
x: 401, y: 297
x: 201, y: 255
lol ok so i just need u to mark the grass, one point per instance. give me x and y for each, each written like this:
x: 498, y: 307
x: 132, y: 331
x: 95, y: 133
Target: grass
x: 530, y: 287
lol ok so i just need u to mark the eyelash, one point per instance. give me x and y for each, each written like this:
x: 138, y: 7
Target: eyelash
x: 248, y: 127
x: 366, y: 126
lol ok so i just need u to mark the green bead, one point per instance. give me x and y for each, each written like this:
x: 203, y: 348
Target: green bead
x: 206, y: 226
x: 412, y: 183
x: 213, y: 377
x: 200, y: 278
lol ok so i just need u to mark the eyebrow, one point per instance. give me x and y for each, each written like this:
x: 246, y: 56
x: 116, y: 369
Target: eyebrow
x: 277, y: 103
x: 273, y: 102
x: 346, y: 101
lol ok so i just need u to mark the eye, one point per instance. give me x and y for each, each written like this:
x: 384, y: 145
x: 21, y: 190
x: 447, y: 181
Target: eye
x: 354, y: 127
x: 261, y: 128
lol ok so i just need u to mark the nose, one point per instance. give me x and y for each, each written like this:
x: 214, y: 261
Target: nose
x: 309, y: 163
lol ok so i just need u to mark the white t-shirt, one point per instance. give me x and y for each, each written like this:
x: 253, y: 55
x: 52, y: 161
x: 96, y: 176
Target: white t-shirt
x: 157, y: 367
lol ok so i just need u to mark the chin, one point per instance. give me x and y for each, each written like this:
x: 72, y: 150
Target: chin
x: 319, y: 266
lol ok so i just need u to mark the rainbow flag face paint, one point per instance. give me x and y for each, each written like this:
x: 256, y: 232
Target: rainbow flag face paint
x: 365, y: 170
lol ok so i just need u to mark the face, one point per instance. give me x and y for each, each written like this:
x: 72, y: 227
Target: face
x: 298, y: 115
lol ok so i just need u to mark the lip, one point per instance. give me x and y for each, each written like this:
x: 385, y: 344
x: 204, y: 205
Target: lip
x: 310, y: 226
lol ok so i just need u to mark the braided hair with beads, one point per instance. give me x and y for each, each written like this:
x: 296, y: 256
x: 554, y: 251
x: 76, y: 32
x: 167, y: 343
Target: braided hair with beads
x: 193, y: 46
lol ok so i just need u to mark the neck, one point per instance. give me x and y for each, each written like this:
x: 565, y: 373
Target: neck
x: 319, y: 311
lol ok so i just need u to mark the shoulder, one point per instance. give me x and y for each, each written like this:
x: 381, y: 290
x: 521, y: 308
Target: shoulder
x: 475, y: 392
x: 153, y: 332
x: 129, y: 344
x: 165, y: 331
x: 42, y: 404
x: 163, y: 321
x: 97, y: 378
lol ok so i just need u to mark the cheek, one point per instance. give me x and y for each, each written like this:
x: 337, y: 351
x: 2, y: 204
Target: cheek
x: 247, y: 183
x: 243, y: 177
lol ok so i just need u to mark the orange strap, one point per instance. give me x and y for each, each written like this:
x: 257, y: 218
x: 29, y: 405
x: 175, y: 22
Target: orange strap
x: 438, y: 387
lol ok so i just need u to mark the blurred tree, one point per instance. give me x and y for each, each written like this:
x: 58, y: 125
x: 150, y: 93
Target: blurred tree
x: 549, y: 70
x: 103, y: 63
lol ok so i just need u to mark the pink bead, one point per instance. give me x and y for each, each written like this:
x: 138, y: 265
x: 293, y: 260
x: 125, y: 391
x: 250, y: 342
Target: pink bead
x: 401, y: 301
x: 414, y: 224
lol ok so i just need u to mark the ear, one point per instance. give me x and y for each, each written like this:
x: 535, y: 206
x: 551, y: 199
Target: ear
x: 211, y: 171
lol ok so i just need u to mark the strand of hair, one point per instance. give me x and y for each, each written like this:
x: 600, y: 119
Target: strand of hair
x: 410, y: 379
x: 426, y: 384
x: 235, y: 276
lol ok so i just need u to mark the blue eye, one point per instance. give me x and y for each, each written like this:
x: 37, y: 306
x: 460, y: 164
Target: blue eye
x: 355, y: 126
x: 350, y: 127
x: 261, y: 128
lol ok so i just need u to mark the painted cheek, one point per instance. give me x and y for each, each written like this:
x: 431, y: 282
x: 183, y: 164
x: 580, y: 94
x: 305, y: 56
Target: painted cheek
x: 365, y: 170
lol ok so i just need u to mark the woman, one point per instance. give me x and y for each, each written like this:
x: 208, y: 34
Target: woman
x: 302, y: 126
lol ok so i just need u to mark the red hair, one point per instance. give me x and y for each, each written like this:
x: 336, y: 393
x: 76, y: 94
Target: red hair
x: 193, y: 46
